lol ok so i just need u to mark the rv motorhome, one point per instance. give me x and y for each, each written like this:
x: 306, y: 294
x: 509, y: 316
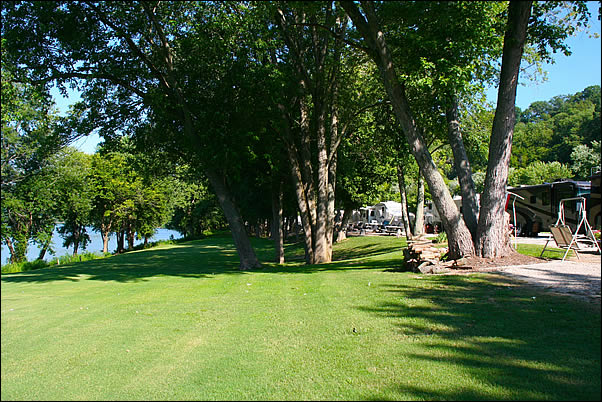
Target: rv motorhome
x: 538, y: 208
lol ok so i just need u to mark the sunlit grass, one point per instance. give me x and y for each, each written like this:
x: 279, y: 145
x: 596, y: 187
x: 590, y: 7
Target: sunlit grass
x: 181, y: 322
x: 552, y: 253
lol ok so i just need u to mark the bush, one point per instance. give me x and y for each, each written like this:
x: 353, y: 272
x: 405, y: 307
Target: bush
x: 23, y: 266
x: 68, y: 258
x: 441, y: 238
x: 38, y: 264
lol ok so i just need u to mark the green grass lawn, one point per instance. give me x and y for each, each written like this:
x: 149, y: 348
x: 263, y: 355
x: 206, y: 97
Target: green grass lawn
x: 551, y: 253
x: 180, y: 322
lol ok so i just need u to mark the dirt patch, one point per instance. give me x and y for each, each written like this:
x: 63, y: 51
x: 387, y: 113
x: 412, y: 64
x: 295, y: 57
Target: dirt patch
x: 579, y: 277
x: 485, y: 264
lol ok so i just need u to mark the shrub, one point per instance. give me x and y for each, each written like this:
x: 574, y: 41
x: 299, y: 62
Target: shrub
x: 23, y: 266
x: 38, y: 264
x: 441, y: 238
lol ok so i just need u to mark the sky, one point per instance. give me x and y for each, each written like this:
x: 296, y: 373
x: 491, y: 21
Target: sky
x: 568, y: 75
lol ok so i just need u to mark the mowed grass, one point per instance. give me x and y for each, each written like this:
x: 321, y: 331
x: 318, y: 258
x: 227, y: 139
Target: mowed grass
x: 181, y: 322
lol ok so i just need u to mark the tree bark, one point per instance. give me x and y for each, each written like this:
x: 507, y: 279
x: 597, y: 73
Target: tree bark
x: 470, y: 205
x: 404, y: 202
x: 492, y: 232
x: 277, y: 223
x: 43, y: 251
x: 105, y: 241
x: 459, y: 238
x: 314, y: 174
x: 131, y: 237
x: 419, y: 222
x: 11, y: 248
x: 342, y: 232
x: 300, y: 192
x: 246, y: 253
x: 322, y: 251
x: 120, y: 241
x: 77, y: 235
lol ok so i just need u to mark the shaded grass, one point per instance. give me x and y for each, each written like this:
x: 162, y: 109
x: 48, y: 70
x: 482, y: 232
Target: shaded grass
x: 181, y: 322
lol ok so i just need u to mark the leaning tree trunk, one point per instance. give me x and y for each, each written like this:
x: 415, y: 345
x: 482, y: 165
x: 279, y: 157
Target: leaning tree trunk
x: 44, y: 250
x: 459, y: 237
x: 246, y: 254
x: 470, y: 205
x: 492, y: 232
x: 342, y: 232
x: 11, y: 249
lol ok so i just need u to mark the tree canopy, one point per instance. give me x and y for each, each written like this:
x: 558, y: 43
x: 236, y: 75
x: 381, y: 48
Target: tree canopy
x: 285, y: 106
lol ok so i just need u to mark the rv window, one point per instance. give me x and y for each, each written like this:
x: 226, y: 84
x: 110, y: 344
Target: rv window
x: 544, y: 198
x: 533, y: 199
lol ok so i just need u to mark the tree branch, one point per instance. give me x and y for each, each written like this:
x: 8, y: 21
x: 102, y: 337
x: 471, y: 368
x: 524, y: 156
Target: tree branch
x: 334, y: 34
x: 98, y: 75
x: 132, y: 46
x: 284, y: 26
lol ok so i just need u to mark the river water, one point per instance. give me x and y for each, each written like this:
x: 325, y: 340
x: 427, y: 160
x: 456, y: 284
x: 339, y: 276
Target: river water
x: 95, y: 245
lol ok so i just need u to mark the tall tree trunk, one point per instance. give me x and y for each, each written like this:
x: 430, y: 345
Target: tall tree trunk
x: 246, y: 253
x: 131, y: 237
x: 470, y: 205
x: 492, y: 232
x: 322, y: 252
x: 77, y: 235
x: 302, y: 199
x: 419, y: 222
x: 332, y: 169
x: 277, y: 222
x: 75, y: 246
x: 314, y: 174
x: 105, y: 241
x: 459, y: 238
x: 120, y: 241
x: 404, y: 202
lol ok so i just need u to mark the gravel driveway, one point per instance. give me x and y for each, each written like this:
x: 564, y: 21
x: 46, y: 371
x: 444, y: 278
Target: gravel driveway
x: 576, y: 277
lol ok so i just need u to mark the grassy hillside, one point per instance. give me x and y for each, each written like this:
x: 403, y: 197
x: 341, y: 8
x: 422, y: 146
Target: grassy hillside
x: 180, y: 322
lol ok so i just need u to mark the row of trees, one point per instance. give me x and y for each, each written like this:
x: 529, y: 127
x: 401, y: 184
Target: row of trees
x: 274, y: 97
x: 112, y: 191
x: 107, y: 192
x: 79, y: 191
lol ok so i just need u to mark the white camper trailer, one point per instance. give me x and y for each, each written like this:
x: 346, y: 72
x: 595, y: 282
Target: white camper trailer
x: 386, y: 211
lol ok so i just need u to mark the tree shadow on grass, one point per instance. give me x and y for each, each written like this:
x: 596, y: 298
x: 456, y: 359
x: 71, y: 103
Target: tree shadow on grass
x: 515, y: 342
x: 194, y: 259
